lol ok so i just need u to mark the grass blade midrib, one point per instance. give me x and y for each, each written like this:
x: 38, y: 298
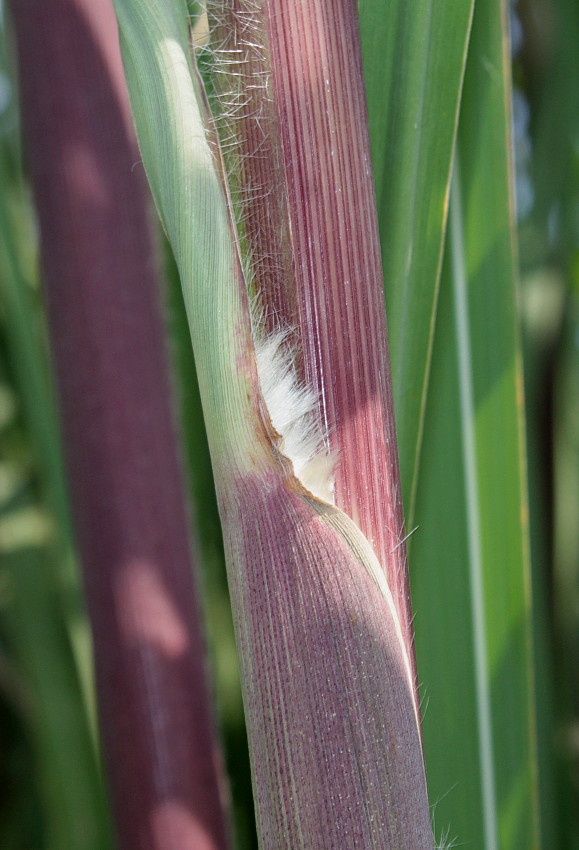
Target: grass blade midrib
x: 475, y: 547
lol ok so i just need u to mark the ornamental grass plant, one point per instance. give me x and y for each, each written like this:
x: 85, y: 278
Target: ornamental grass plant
x: 268, y: 577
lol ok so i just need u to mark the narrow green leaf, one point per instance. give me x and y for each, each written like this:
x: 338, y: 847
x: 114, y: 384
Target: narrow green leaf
x: 469, y: 558
x: 414, y: 57
x: 25, y: 333
x: 192, y: 207
x: 75, y: 808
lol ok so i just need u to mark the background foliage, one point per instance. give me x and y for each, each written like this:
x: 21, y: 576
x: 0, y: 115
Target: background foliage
x: 486, y: 707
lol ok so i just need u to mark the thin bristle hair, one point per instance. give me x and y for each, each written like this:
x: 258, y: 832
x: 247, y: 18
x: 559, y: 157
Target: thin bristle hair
x: 239, y: 73
x: 293, y: 410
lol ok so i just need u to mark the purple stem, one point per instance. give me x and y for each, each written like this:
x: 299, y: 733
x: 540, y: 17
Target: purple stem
x: 319, y: 94
x: 126, y: 487
x: 301, y: 138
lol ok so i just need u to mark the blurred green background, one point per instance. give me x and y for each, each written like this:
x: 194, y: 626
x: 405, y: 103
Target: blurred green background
x: 48, y: 763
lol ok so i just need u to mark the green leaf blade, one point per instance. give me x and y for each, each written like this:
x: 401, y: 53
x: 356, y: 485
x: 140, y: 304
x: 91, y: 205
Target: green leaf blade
x: 414, y: 60
x: 470, y: 556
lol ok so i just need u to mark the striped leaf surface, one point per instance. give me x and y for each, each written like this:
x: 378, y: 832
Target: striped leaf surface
x: 469, y: 558
x: 414, y: 56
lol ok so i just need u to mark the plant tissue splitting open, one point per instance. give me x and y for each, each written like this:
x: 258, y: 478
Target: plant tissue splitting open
x: 327, y: 685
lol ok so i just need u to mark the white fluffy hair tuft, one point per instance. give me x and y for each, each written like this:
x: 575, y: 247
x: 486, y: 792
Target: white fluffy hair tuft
x: 293, y: 409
